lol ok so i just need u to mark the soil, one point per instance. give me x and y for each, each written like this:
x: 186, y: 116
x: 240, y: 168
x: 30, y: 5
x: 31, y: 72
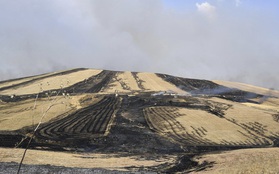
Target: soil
x: 46, y: 169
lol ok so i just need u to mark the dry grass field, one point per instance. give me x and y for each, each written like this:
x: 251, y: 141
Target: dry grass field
x: 268, y: 104
x: 31, y: 78
x: 21, y: 80
x: 111, y: 161
x: 198, y: 127
x: 14, y: 116
x: 127, y: 82
x: 151, y: 82
x: 25, y: 114
x: 260, y: 121
x: 49, y: 83
x: 123, y: 82
x: 249, y: 88
x: 244, y: 161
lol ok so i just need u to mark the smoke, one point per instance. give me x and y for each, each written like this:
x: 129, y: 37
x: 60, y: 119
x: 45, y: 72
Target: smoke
x: 209, y: 40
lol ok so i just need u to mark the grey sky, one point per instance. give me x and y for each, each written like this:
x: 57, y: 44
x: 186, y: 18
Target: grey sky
x: 207, y: 40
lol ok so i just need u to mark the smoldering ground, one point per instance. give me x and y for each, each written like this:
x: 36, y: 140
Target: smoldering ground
x: 208, y: 40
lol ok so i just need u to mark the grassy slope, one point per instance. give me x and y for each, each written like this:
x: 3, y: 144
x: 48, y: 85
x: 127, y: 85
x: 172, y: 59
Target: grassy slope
x: 242, y: 161
x: 234, y: 124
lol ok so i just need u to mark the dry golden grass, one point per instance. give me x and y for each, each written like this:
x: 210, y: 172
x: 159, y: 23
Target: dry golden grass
x: 262, y: 106
x: 269, y: 104
x: 127, y: 79
x: 50, y: 83
x: 14, y: 116
x: 154, y: 83
x: 217, y: 129
x: 124, y: 82
x: 248, y: 88
x: 244, y: 161
x: 14, y: 82
x: 200, y: 124
x: 247, y: 115
x: 81, y: 160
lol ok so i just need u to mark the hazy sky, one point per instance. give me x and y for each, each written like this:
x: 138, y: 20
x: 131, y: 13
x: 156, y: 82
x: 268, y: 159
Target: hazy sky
x: 235, y: 40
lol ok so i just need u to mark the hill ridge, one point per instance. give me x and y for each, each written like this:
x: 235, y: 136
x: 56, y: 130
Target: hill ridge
x: 122, y: 112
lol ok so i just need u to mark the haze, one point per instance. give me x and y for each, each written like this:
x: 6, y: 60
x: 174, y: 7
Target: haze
x: 214, y: 39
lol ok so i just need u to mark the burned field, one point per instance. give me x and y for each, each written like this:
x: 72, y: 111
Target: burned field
x: 143, y: 114
x: 87, y: 122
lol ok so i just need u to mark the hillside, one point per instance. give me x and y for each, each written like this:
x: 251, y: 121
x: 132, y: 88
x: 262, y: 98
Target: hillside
x: 91, y: 120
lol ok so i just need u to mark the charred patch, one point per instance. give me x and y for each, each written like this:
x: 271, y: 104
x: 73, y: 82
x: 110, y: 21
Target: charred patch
x: 82, y: 126
x: 206, y: 87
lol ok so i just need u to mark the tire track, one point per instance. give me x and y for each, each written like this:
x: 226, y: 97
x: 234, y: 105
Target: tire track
x: 161, y: 119
x: 167, y: 123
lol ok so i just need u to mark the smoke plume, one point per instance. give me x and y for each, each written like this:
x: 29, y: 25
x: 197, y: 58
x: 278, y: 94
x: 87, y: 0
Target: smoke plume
x: 224, y: 40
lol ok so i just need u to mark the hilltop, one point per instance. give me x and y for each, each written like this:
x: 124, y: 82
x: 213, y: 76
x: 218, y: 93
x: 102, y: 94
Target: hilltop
x: 91, y: 120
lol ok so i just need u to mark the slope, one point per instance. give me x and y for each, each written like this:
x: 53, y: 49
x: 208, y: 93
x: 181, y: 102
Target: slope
x: 134, y: 114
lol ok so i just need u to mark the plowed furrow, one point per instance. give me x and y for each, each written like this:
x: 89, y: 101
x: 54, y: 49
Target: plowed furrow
x: 89, y: 123
x: 105, y: 115
x: 100, y: 127
x: 86, y: 121
x: 69, y: 122
x: 90, y: 120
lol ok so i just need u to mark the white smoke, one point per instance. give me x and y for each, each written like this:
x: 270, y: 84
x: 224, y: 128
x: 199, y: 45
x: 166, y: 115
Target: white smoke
x: 240, y: 44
